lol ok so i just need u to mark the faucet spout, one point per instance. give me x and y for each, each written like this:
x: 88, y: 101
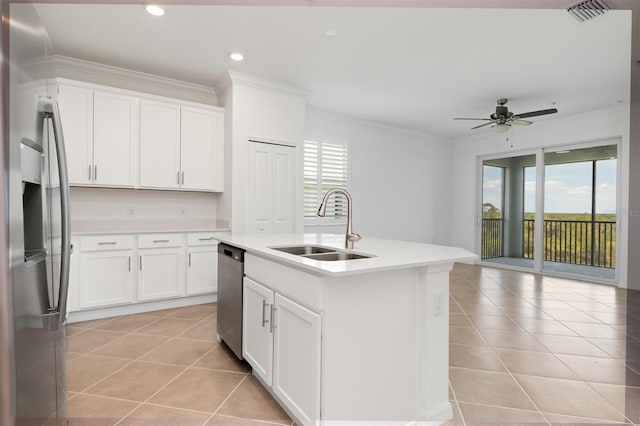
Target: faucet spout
x: 350, y: 236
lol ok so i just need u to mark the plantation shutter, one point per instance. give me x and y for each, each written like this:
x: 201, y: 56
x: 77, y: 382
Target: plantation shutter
x: 325, y: 167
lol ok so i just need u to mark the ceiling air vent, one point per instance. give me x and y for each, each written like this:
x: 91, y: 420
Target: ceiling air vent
x: 588, y: 9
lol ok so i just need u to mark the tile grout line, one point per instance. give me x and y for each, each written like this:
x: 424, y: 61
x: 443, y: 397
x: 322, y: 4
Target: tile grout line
x: 511, y: 374
x: 225, y: 400
x: 172, y: 380
x: 455, y: 400
x: 132, y: 360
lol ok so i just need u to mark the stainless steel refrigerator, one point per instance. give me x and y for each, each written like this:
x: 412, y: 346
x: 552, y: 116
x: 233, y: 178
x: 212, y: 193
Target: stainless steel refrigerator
x: 38, y: 228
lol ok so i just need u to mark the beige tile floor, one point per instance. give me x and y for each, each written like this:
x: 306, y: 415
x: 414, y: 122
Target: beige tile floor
x: 527, y: 349
x: 524, y: 349
x: 162, y: 368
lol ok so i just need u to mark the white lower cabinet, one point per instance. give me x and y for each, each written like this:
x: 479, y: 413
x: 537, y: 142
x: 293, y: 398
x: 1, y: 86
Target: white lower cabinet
x: 202, y: 269
x: 110, y: 270
x: 161, y: 273
x: 107, y: 278
x: 282, y: 342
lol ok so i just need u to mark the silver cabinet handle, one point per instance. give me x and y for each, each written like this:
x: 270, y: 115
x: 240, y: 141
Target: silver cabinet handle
x: 206, y: 239
x: 129, y: 263
x: 264, y: 309
x: 48, y: 109
x: 178, y: 176
x: 89, y: 171
x: 102, y: 243
x: 161, y: 241
x: 141, y: 263
x: 273, y: 318
x: 183, y: 178
x: 189, y: 259
x: 95, y: 173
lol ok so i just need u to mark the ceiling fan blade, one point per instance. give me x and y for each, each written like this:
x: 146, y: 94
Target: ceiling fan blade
x: 501, y: 128
x: 483, y: 119
x: 519, y: 122
x: 536, y: 113
x: 482, y: 125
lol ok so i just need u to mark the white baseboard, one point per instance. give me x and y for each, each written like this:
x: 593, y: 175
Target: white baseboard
x: 138, y: 308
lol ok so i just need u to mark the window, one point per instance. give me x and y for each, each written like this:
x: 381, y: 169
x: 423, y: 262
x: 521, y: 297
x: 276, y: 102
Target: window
x: 325, y: 167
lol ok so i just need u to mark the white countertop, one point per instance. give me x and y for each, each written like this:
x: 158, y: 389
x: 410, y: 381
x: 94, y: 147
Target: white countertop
x: 389, y: 254
x: 140, y: 226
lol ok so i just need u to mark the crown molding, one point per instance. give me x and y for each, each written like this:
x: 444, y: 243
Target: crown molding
x: 144, y: 81
x: 236, y: 78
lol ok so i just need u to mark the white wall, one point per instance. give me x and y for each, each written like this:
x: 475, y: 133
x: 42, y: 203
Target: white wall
x: 398, y: 179
x: 106, y: 203
x: 262, y: 110
x: 593, y: 126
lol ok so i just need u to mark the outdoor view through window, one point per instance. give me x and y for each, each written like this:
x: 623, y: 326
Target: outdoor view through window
x: 578, y: 212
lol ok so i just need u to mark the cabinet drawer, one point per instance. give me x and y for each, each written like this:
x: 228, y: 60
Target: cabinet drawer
x: 160, y: 240
x: 204, y: 238
x: 107, y: 242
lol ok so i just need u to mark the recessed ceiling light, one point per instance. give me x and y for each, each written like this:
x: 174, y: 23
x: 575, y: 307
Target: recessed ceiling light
x: 154, y: 10
x: 237, y: 56
x: 332, y: 32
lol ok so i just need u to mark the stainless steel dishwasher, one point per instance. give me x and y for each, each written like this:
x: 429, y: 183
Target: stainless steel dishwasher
x: 230, y: 275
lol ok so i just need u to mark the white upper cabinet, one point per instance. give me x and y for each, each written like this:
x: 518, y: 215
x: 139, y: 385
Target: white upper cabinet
x: 114, y: 139
x: 159, y: 145
x: 200, y: 140
x: 100, y: 131
x: 76, y: 113
x: 117, y: 138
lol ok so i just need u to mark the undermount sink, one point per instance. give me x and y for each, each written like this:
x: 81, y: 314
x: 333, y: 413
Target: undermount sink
x: 337, y: 255
x: 321, y: 253
x: 304, y: 250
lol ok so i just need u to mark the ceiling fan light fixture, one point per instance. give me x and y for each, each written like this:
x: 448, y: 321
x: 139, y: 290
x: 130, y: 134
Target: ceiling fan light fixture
x: 501, y: 128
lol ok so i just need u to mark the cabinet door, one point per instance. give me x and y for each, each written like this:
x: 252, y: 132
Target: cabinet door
x: 257, y: 333
x: 296, y: 371
x: 271, y: 188
x: 198, y: 156
x: 76, y: 114
x: 114, y: 134
x: 107, y: 278
x: 202, y: 269
x: 161, y: 273
x: 159, y: 145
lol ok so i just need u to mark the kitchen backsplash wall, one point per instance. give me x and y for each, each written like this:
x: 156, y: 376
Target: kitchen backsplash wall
x: 97, y: 203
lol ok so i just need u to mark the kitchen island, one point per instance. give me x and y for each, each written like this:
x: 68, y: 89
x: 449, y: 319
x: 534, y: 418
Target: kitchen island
x: 349, y: 340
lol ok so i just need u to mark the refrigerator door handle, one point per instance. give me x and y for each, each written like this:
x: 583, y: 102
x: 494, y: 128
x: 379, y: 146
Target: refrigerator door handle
x: 48, y: 108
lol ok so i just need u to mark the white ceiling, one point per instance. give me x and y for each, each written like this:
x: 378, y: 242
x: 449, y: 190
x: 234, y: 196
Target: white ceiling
x: 413, y: 68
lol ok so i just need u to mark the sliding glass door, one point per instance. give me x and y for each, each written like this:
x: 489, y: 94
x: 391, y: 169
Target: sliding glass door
x: 568, y: 227
x: 508, y: 197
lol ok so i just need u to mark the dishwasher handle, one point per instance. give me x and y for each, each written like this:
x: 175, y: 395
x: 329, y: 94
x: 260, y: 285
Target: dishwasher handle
x: 234, y: 253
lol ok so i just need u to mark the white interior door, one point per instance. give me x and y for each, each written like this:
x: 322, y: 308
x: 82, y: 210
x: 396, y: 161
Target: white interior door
x: 271, y: 188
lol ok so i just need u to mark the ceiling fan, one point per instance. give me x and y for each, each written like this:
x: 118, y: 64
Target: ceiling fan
x: 503, y: 119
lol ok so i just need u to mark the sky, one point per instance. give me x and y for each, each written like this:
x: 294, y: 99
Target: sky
x: 567, y: 187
